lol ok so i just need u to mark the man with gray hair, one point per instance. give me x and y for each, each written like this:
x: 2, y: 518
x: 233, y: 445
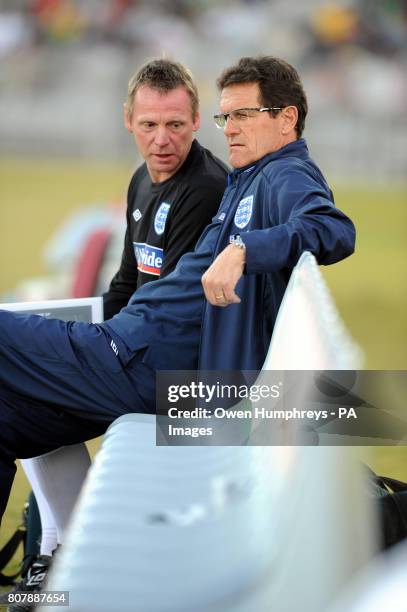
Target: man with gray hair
x: 178, y: 189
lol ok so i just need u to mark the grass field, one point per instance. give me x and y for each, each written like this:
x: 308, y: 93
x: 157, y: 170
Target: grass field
x: 370, y: 288
x: 36, y: 196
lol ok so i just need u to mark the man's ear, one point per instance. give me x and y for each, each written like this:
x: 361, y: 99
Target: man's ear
x: 196, y: 122
x: 127, y: 118
x: 290, y: 118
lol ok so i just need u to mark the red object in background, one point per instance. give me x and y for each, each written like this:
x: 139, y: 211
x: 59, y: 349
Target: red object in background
x: 90, y: 261
x: 42, y: 6
x: 118, y: 10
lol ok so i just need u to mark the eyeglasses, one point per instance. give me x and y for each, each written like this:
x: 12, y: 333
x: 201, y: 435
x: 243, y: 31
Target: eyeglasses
x: 240, y: 115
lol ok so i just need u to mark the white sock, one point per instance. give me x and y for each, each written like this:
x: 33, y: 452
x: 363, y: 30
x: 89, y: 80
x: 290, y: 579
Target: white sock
x: 59, y: 476
x: 48, y: 528
x: 48, y: 540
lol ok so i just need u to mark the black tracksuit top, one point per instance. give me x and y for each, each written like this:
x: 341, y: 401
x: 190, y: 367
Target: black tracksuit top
x: 164, y: 221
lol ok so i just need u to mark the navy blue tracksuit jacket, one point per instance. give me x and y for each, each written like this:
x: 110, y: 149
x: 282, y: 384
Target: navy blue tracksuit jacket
x: 61, y: 383
x: 281, y: 206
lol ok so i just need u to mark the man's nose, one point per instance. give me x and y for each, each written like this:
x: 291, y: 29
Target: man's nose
x: 231, y: 127
x: 161, y: 136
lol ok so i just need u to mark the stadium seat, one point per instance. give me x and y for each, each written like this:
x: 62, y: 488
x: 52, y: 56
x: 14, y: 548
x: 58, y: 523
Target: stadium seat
x: 89, y: 263
x: 223, y: 528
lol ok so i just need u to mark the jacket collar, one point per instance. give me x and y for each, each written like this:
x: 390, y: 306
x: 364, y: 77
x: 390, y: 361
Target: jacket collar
x: 298, y: 148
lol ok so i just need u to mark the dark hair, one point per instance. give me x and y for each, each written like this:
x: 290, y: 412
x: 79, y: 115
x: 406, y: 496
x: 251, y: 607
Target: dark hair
x: 278, y: 82
x: 163, y: 75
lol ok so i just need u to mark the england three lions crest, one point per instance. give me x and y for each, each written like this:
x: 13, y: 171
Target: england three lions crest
x: 161, y: 218
x: 244, y: 212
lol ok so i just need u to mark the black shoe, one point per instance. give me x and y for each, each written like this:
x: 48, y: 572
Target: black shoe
x: 18, y: 586
x: 32, y: 582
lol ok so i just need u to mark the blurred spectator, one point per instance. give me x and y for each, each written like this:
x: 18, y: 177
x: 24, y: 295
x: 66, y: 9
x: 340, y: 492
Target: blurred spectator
x: 352, y: 54
x: 57, y: 20
x: 15, y: 31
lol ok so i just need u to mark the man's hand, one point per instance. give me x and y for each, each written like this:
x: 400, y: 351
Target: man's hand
x: 220, y: 279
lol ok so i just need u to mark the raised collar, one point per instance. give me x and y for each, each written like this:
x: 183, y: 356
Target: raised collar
x: 298, y: 148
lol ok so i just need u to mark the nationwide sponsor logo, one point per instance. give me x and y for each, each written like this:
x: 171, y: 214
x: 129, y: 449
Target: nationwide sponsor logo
x: 149, y: 258
x: 161, y: 218
x: 244, y: 212
x: 137, y: 214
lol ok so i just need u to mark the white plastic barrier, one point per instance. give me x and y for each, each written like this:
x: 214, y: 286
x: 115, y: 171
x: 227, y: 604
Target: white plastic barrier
x: 224, y: 529
x: 309, y: 333
x: 381, y: 586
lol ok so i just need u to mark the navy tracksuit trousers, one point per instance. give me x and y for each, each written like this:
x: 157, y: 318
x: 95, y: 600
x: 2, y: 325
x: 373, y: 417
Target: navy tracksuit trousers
x: 62, y: 383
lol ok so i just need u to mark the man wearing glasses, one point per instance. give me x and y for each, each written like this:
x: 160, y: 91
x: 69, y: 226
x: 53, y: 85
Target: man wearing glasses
x: 61, y: 383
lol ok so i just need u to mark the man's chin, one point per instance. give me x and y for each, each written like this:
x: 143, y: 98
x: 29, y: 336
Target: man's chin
x: 238, y: 158
x: 161, y: 170
x: 168, y: 165
x: 160, y: 160
x: 237, y: 162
